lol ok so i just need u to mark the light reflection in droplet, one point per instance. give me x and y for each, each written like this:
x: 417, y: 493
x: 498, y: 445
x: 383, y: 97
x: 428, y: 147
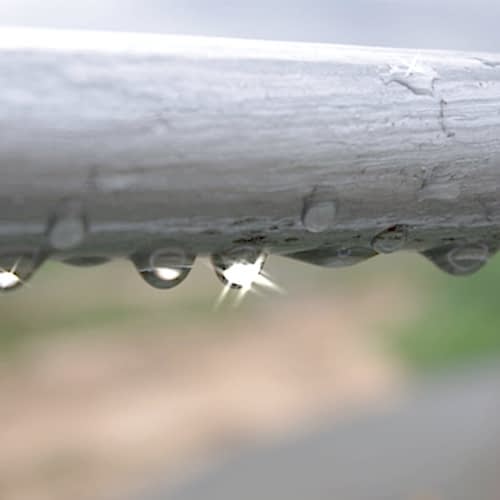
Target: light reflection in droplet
x: 8, y: 279
x: 167, y: 273
x: 242, y: 269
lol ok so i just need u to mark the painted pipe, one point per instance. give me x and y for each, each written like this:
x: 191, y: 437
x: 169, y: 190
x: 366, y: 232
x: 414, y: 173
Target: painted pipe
x: 156, y: 146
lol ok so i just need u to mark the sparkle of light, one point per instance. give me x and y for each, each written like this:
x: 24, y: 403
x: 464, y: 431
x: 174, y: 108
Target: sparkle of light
x: 8, y: 279
x: 245, y: 275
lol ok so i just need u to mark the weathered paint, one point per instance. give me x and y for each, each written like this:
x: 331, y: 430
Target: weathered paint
x: 205, y: 143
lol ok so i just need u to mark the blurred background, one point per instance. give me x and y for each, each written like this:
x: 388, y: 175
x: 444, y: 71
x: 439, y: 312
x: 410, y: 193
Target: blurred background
x: 108, y: 386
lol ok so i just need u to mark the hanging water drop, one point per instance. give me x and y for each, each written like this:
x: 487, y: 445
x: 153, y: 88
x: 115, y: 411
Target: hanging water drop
x: 320, y: 209
x: 468, y: 259
x: 335, y: 256
x: 459, y: 260
x: 164, y: 268
x: 240, y: 267
x: 68, y: 226
x: 391, y: 240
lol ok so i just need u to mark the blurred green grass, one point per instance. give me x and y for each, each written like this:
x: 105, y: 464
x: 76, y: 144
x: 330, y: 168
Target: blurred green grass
x: 457, y: 320
x: 459, y: 323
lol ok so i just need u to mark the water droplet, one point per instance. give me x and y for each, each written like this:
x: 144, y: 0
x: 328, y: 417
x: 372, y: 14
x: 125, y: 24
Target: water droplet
x: 391, y: 240
x: 240, y: 267
x: 319, y: 210
x: 164, y: 268
x: 335, y: 256
x: 459, y: 260
x: 17, y: 267
x: 68, y: 226
x: 468, y: 259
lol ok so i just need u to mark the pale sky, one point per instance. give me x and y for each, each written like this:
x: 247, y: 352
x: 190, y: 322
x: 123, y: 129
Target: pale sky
x: 451, y: 24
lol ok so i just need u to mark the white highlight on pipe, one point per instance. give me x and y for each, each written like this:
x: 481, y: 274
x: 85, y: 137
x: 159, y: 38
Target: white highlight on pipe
x: 108, y: 42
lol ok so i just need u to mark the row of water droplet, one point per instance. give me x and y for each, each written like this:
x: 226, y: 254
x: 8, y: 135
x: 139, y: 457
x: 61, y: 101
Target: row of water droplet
x: 165, y: 268
x: 319, y: 214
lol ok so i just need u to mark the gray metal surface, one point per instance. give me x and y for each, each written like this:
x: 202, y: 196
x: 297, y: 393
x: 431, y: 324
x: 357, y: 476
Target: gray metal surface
x: 442, y: 442
x: 206, y: 144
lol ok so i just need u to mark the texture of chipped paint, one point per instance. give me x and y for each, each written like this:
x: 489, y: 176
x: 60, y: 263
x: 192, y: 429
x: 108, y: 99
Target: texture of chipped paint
x: 414, y: 76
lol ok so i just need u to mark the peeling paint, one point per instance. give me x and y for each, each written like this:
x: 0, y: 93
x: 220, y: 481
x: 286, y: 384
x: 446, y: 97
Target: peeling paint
x: 442, y: 118
x: 489, y: 63
x: 415, y: 76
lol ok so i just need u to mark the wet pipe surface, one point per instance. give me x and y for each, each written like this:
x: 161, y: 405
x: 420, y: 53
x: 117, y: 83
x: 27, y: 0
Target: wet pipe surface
x: 162, y: 148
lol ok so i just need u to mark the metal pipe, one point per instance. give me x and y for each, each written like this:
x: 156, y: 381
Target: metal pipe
x: 117, y: 144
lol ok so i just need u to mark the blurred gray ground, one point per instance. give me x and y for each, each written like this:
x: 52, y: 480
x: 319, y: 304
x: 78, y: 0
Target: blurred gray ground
x: 441, y: 443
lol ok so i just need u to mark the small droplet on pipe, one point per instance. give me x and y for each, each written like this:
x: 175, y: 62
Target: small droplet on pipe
x: 391, y: 240
x: 320, y: 210
x: 68, y: 227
